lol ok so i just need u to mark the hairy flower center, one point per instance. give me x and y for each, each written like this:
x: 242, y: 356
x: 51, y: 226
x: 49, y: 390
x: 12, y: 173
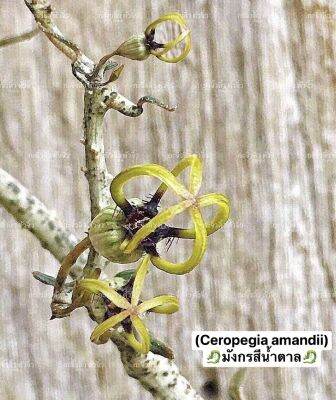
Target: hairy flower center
x: 112, y: 309
x: 151, y: 43
x: 137, y: 217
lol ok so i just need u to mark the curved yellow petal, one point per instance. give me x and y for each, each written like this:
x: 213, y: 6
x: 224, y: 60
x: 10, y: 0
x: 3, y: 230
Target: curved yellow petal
x: 139, y: 280
x: 218, y: 220
x: 143, y: 345
x: 192, y: 161
x: 198, y: 250
x: 154, y: 223
x: 172, y: 44
x: 165, y: 304
x: 184, y: 35
x: 153, y: 170
x: 173, y: 17
x: 222, y: 214
x: 108, y: 324
x: 96, y: 286
x: 175, y: 59
x: 195, y: 178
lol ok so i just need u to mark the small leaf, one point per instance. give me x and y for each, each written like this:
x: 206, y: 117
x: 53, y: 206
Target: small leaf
x: 160, y: 348
x: 126, y: 275
x: 44, y: 278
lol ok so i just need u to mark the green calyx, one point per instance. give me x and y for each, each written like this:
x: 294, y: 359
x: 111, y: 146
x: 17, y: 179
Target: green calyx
x: 107, y: 233
x: 134, y: 48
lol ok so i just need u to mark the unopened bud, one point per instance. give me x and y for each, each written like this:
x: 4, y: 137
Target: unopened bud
x: 134, y: 48
x: 107, y: 234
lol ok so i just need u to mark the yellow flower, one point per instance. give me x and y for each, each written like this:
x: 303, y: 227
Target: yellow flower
x: 140, y: 47
x: 147, y: 226
x: 128, y: 312
x: 161, y: 50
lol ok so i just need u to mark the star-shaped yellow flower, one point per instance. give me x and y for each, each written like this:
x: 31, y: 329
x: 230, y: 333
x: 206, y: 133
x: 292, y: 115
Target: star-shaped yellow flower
x: 152, y: 227
x: 124, y: 309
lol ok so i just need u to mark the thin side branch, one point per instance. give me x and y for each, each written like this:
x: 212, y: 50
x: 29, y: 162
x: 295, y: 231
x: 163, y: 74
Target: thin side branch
x: 116, y: 101
x: 19, y: 38
x: 42, y: 12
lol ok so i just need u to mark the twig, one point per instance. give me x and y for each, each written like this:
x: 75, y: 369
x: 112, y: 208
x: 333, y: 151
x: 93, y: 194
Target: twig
x: 116, y: 101
x: 19, y: 38
x: 42, y: 10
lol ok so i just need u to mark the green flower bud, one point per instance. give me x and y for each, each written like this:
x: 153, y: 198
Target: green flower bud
x: 107, y: 233
x: 134, y: 48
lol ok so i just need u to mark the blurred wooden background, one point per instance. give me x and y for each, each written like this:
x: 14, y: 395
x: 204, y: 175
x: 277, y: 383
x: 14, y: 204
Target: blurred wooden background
x: 257, y: 100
